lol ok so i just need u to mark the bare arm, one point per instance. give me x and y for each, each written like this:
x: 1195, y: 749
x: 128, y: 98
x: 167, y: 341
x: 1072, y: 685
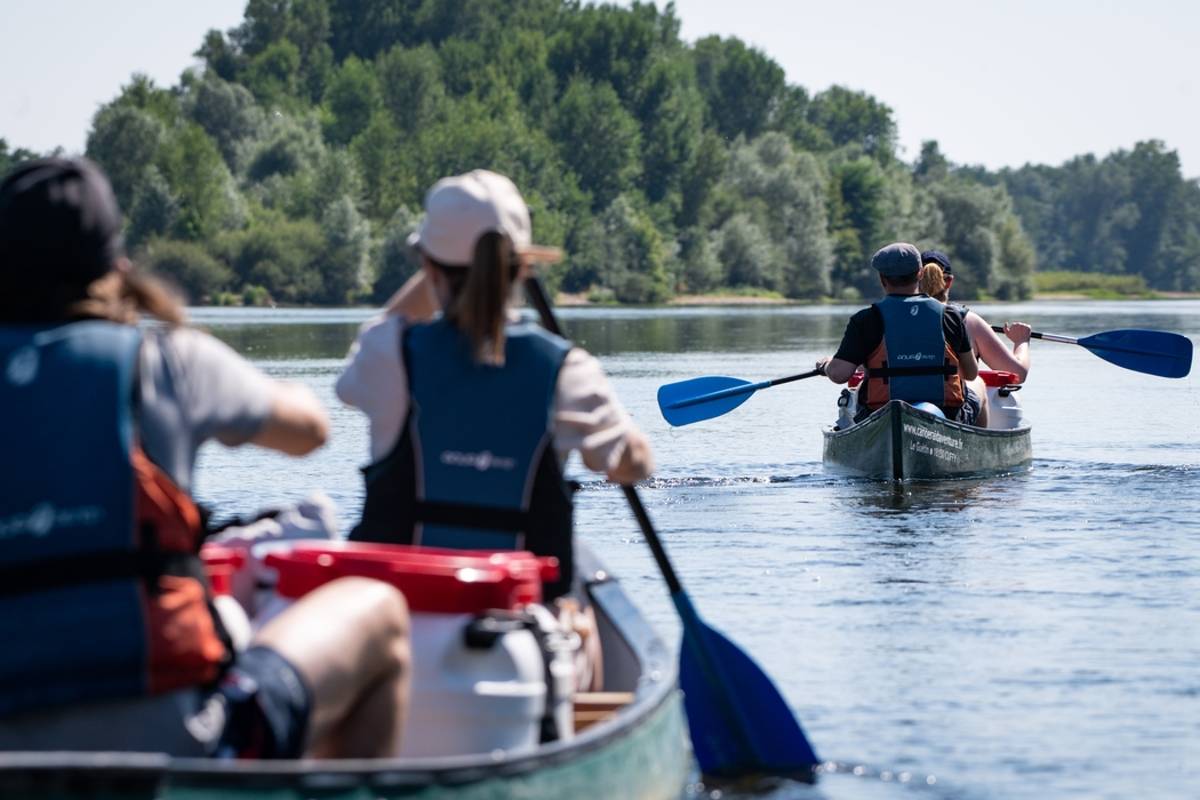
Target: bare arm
x: 415, y: 300
x: 296, y: 424
x: 636, y: 463
x: 837, y: 370
x: 994, y: 352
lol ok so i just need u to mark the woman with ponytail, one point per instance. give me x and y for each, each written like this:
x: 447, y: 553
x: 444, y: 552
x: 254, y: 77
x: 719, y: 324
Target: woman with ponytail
x: 936, y: 279
x: 472, y: 411
x: 112, y: 641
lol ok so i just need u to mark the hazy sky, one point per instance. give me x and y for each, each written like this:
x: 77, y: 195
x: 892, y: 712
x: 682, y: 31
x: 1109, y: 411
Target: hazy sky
x: 996, y: 83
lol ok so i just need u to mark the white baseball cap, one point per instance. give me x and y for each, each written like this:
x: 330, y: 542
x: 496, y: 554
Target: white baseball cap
x: 461, y: 208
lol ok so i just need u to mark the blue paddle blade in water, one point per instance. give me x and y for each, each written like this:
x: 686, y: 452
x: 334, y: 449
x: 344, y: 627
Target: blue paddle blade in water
x: 739, y: 722
x: 1161, y: 353
x: 688, y: 401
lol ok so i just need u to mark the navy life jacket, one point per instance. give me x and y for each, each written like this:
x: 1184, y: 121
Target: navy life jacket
x: 475, y: 466
x: 102, y: 595
x: 913, y: 362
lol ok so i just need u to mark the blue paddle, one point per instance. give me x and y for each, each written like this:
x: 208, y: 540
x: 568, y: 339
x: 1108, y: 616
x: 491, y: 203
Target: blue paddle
x: 739, y: 723
x: 697, y: 399
x: 1162, y: 353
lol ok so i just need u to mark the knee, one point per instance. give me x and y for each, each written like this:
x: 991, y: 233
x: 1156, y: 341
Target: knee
x: 380, y: 607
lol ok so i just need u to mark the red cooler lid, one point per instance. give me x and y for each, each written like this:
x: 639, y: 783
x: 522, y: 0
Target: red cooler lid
x: 220, y: 564
x: 998, y: 378
x: 433, y: 580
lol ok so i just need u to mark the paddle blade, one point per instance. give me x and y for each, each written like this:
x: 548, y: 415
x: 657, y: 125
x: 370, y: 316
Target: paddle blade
x: 683, y: 403
x: 1161, y: 353
x: 739, y: 723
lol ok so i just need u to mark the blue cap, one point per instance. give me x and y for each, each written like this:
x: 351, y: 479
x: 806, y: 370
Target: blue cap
x: 939, y: 258
x: 897, y: 259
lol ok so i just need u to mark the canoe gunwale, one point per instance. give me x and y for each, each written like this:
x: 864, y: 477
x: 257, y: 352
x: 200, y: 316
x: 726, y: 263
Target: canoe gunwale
x: 657, y: 686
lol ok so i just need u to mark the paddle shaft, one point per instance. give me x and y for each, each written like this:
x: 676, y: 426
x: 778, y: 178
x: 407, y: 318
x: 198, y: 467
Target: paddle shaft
x: 694, y: 629
x: 721, y: 394
x: 537, y: 296
x: 1049, y: 337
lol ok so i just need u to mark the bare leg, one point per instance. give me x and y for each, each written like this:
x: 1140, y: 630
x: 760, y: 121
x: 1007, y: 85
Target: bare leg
x: 349, y: 639
x: 980, y: 389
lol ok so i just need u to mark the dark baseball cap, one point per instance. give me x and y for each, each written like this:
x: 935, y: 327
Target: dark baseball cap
x: 939, y: 258
x: 897, y: 259
x: 59, y: 222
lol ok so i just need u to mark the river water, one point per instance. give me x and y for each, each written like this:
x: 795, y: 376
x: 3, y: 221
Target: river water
x: 1034, y: 635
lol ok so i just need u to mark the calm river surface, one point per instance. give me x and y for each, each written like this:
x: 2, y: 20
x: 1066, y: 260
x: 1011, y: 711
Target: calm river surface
x: 1036, y: 635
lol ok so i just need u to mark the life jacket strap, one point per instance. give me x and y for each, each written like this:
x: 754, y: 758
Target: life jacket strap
x: 898, y: 372
x: 86, y: 568
x: 471, y: 516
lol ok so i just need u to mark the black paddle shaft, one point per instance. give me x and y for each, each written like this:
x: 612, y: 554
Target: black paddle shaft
x: 800, y: 377
x: 537, y: 296
x: 1047, y: 336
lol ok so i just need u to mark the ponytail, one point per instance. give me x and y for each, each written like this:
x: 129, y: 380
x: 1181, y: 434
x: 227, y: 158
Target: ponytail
x: 933, y: 282
x: 481, y: 292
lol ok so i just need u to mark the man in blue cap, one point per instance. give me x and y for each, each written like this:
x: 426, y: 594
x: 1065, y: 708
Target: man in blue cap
x: 912, y: 347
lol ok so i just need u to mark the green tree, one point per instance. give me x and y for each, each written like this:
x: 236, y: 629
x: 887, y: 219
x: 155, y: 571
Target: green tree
x: 188, y: 265
x: 411, y: 82
x: 346, y: 258
x: 598, y: 139
x: 351, y: 99
x: 850, y: 117
x: 740, y: 85
x: 227, y: 113
x: 280, y: 254
x: 273, y: 75
x: 200, y: 183
x: 11, y: 159
x: 125, y: 141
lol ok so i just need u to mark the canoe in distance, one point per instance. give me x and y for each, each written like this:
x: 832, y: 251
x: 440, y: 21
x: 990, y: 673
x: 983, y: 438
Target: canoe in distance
x: 631, y: 742
x: 899, y: 442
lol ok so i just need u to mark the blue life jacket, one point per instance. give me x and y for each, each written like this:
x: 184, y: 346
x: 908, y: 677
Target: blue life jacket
x: 100, y: 588
x: 475, y: 466
x: 913, y: 362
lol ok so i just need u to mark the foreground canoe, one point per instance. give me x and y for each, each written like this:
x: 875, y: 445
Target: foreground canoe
x: 632, y: 743
x: 899, y: 442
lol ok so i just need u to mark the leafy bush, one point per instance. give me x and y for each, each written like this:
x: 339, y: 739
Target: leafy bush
x: 1090, y: 283
x: 187, y: 265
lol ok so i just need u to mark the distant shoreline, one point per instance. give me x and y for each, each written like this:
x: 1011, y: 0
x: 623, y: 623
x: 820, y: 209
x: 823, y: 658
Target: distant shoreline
x: 566, y: 300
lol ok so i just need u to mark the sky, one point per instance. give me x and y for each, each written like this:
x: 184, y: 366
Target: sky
x: 996, y: 83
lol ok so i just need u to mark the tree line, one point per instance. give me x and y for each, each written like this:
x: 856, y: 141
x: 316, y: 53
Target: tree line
x: 290, y: 167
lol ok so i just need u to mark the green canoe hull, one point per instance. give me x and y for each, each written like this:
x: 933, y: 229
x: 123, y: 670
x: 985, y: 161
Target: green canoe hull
x: 640, y: 752
x: 899, y: 442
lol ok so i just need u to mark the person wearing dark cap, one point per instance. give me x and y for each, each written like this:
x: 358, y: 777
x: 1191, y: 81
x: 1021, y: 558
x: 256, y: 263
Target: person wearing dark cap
x: 912, y: 347
x: 111, y: 640
x: 937, y: 276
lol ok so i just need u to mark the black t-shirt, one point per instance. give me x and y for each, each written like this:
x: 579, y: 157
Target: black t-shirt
x: 864, y: 332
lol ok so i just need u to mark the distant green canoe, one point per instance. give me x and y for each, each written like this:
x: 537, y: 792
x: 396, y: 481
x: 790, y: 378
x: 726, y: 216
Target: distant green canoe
x: 899, y: 442
x: 636, y: 747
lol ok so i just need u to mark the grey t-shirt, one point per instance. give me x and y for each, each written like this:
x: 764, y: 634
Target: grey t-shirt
x: 195, y: 388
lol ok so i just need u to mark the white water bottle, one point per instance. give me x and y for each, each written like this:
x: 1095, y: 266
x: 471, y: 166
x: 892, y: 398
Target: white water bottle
x: 845, y: 414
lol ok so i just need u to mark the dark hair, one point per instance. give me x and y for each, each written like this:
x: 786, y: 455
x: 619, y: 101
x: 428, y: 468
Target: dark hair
x: 898, y: 281
x: 119, y: 296
x: 480, y: 293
